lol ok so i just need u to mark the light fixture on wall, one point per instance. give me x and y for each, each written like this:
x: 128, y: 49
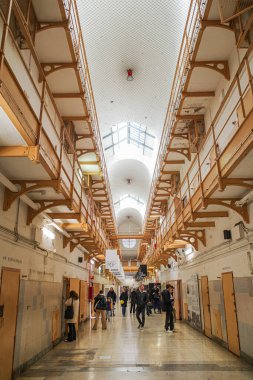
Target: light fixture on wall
x: 130, y: 77
x: 48, y: 233
x: 188, y: 251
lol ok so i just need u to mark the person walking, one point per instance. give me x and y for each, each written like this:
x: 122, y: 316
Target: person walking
x: 141, y: 301
x: 100, y: 309
x: 156, y: 299
x: 108, y: 309
x: 71, y: 315
x: 113, y: 297
x: 168, y: 307
x: 123, y: 301
x: 133, y: 301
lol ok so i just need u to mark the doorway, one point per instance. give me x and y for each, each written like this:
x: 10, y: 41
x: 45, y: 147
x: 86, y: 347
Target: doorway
x: 9, y: 296
x: 230, y: 313
x: 206, y: 306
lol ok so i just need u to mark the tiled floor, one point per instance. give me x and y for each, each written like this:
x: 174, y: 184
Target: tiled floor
x: 124, y: 352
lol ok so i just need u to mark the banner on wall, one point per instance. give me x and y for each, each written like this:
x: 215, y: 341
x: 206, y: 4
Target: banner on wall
x: 194, y: 313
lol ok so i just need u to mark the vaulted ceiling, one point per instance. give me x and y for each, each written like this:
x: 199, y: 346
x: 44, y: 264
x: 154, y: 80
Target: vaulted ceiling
x: 145, y: 36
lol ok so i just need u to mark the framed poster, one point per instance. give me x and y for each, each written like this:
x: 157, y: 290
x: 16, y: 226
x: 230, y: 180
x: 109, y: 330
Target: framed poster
x: 194, y: 312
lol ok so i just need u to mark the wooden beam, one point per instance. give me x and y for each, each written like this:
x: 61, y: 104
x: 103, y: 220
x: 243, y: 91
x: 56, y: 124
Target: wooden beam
x: 210, y: 214
x: 174, y: 162
x: 65, y: 215
x: 119, y: 237
x: 164, y: 172
x: 76, y: 118
x: 198, y: 94
x: 220, y: 67
x: 190, y: 117
x: 75, y: 226
x: 199, y: 224
x: 64, y: 95
x: 31, y: 152
x: 89, y: 162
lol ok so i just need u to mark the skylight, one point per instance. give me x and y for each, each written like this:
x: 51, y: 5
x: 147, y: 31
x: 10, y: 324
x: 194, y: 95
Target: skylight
x: 129, y: 243
x: 131, y: 201
x: 126, y: 134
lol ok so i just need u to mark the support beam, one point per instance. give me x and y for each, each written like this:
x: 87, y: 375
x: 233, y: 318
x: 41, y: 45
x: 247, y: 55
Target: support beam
x: 68, y: 95
x: 45, y: 25
x: 65, y: 215
x: 220, y: 67
x: 31, y: 152
x: 51, y: 67
x: 210, y: 214
x: 198, y: 94
x: 76, y: 118
x: 119, y: 237
x: 190, y: 117
x: 199, y: 224
x: 89, y: 162
x: 174, y: 162
x: 75, y: 226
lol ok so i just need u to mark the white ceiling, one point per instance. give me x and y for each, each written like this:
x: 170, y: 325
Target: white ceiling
x: 145, y: 36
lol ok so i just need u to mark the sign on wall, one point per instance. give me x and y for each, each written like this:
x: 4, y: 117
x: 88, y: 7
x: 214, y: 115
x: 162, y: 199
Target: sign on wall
x: 194, y: 313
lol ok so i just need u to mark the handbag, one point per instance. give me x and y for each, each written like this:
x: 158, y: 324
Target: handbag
x: 69, y: 312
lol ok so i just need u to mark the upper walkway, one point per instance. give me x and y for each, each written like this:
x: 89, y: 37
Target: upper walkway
x: 123, y: 351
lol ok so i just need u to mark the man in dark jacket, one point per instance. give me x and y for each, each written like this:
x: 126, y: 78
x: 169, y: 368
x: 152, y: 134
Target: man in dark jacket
x: 111, y: 294
x: 141, y: 301
x: 133, y: 301
x: 168, y: 306
x: 100, y: 309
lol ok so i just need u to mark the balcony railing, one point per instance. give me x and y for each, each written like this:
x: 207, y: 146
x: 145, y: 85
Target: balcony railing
x: 78, y: 43
x: 226, y: 140
x: 190, y: 36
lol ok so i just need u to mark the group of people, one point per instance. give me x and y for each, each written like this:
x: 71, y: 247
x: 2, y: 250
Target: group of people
x: 141, y: 301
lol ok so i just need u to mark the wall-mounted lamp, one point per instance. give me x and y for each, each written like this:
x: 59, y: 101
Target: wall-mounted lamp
x: 48, y: 233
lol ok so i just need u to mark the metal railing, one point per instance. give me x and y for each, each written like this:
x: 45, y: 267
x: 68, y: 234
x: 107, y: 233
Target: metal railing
x: 190, y: 35
x: 71, y: 10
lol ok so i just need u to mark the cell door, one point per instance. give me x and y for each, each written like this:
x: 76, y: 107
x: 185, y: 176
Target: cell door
x: 230, y: 312
x: 83, y: 301
x: 9, y: 294
x: 206, y: 306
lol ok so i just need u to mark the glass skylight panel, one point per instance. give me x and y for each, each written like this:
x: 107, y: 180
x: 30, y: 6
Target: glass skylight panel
x: 129, y: 243
x: 129, y: 133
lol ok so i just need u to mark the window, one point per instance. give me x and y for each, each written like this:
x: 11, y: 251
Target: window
x: 129, y: 243
x: 129, y: 133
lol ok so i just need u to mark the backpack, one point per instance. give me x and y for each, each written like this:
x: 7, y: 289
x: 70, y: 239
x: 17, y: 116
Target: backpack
x: 100, y: 304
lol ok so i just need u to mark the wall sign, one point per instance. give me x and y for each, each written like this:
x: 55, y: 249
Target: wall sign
x: 194, y: 313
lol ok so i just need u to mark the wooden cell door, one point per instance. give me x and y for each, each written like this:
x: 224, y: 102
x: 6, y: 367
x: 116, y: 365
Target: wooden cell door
x: 230, y: 312
x: 74, y: 284
x: 9, y: 295
x: 206, y: 306
x: 83, y: 309
x: 96, y: 289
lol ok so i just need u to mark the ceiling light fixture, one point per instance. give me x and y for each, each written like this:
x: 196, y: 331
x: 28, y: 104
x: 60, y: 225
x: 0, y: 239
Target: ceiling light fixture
x: 130, y: 75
